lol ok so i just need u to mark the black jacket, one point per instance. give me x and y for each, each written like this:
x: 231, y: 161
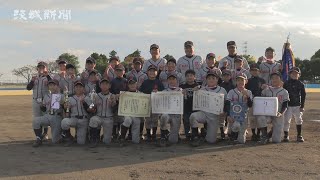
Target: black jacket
x: 297, y: 92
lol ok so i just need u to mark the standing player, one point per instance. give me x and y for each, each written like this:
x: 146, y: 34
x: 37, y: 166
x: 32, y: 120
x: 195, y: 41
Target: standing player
x: 61, y: 76
x: 70, y: 79
x: 209, y: 66
x: 78, y: 105
x: 239, y: 70
x: 52, y: 116
x: 171, y: 69
x: 103, y: 111
x: 210, y: 119
x: 90, y: 65
x: 155, y: 60
x: 173, y: 119
x: 93, y: 83
x: 190, y: 61
x: 269, y: 66
x: 232, y: 49
x: 109, y: 72
x: 152, y: 84
x: 39, y: 86
x: 297, y: 94
x: 277, y: 121
x: 136, y: 72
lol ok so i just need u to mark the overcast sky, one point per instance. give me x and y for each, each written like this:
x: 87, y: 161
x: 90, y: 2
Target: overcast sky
x: 125, y: 25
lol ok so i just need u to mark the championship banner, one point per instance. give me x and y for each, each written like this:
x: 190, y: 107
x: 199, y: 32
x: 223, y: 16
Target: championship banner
x: 209, y: 102
x: 167, y: 102
x: 265, y: 106
x: 288, y: 61
x: 134, y: 104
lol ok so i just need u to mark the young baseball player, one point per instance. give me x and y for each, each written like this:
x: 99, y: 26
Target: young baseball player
x: 227, y: 85
x: 209, y: 66
x: 173, y: 119
x: 118, y: 84
x: 39, y: 86
x: 71, y: 78
x: 255, y: 85
x: 269, y: 66
x: 78, y: 105
x: 171, y: 69
x: 152, y: 84
x: 238, y: 62
x: 133, y: 123
x: 93, y: 83
x: 202, y: 117
x: 238, y: 101
x: 155, y: 60
x: 188, y: 88
x: 109, y: 72
x: 297, y: 95
x: 90, y: 65
x: 277, y: 121
x: 190, y: 61
x: 61, y: 76
x: 136, y: 72
x: 52, y: 117
x: 103, y: 109
x: 232, y: 50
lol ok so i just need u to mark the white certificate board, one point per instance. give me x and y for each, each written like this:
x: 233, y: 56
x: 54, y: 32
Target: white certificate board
x: 134, y: 104
x: 207, y: 101
x: 265, y: 106
x: 55, y: 101
x: 167, y: 102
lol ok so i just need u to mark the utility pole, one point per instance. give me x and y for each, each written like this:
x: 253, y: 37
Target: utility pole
x: 245, y: 48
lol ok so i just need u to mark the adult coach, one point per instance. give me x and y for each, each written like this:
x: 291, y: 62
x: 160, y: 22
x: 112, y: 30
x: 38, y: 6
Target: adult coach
x: 232, y: 49
x: 190, y: 61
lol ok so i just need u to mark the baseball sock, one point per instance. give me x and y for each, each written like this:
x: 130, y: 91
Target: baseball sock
x: 195, y: 132
x: 286, y: 133
x: 124, y: 131
x: 299, y: 129
x: 163, y: 133
x: 258, y: 131
x: 253, y: 130
x: 141, y: 128
x: 148, y: 132
x: 154, y: 132
x: 38, y: 132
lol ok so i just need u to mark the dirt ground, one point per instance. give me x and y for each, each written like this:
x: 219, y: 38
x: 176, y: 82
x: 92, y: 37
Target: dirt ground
x: 18, y: 160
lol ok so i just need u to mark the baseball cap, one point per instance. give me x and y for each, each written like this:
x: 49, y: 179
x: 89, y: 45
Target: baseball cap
x: 276, y: 73
x: 238, y: 58
x: 254, y: 66
x: 69, y: 66
x: 90, y: 60
x: 242, y: 75
x: 152, y: 67
x: 296, y: 69
x: 212, y: 73
x: 95, y: 72
x: 119, y: 67
x: 210, y: 55
x: 132, y: 80
x: 172, y: 75
x: 54, y: 81
x: 62, y: 61
x: 137, y: 60
x: 231, y: 43
x: 226, y: 72
x: 154, y: 46
x: 104, y: 80
x: 114, y: 58
x: 41, y: 63
x: 78, y: 82
x: 172, y: 60
x: 188, y: 43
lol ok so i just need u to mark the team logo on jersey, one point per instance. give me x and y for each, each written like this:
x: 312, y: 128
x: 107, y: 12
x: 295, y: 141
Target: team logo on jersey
x: 197, y: 65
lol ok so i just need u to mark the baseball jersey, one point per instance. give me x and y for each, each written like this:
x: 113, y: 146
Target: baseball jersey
x: 204, y: 71
x: 161, y: 62
x: 109, y: 73
x: 217, y: 89
x: 62, y: 81
x: 70, y: 80
x: 103, y: 106
x: 237, y: 72
x: 235, y: 95
x: 280, y: 92
x: 185, y: 63
x: 254, y: 85
x: 266, y: 69
x: 231, y: 65
x: 77, y: 107
x: 140, y: 76
x: 297, y: 92
x: 85, y: 76
x: 39, y: 86
x: 89, y: 87
x: 47, y: 103
x: 164, y: 75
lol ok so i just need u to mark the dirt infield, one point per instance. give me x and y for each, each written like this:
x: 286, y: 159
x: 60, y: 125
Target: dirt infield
x: 221, y: 161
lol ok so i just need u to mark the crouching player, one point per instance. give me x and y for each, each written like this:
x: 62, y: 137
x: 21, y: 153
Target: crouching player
x: 52, y: 117
x: 238, y: 102
x: 202, y: 117
x: 103, y: 109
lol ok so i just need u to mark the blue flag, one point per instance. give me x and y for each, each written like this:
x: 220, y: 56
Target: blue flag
x: 288, y: 61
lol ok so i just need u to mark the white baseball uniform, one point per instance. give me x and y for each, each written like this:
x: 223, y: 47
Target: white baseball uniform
x: 195, y: 63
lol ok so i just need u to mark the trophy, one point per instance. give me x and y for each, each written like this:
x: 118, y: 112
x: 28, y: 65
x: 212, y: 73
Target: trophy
x: 66, y: 98
x: 93, y: 95
x: 51, y: 110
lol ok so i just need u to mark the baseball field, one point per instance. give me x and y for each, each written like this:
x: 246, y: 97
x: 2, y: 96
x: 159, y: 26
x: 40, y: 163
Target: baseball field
x: 19, y: 160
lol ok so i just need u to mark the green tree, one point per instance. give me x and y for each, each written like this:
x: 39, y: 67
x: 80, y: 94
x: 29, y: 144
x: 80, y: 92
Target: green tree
x: 127, y: 62
x: 250, y: 59
x: 112, y: 53
x: 71, y: 59
x: 316, y: 55
x: 25, y: 72
x: 101, y: 62
x: 315, y: 66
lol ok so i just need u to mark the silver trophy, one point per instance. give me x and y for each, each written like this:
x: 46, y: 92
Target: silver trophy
x: 66, y: 98
x: 93, y: 96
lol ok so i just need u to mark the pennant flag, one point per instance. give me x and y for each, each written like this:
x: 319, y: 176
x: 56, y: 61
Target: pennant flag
x: 288, y: 61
